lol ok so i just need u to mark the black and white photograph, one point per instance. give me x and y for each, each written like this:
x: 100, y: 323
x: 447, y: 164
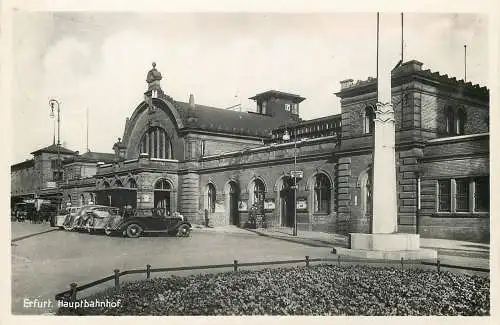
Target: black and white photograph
x: 267, y: 162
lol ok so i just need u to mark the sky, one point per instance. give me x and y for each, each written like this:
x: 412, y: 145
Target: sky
x: 97, y: 62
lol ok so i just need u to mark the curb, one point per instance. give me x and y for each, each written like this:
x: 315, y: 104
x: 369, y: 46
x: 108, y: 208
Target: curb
x: 32, y: 235
x: 298, y: 240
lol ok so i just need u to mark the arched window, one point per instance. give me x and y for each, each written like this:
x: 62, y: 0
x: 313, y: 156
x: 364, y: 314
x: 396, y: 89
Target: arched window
x: 366, y: 187
x: 369, y: 124
x: 156, y: 143
x: 211, y: 198
x: 106, y: 184
x: 455, y: 121
x: 82, y: 200
x: 69, y: 199
x: 118, y: 183
x: 132, y: 183
x: 258, y: 193
x: 460, y: 122
x: 322, y: 194
x: 163, y: 184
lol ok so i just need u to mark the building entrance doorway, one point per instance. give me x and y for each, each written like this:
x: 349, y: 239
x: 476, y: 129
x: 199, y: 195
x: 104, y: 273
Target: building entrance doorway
x: 162, y: 194
x: 234, y: 216
x: 287, y: 202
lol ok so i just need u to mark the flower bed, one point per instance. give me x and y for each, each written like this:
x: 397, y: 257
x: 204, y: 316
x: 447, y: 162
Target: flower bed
x: 317, y: 290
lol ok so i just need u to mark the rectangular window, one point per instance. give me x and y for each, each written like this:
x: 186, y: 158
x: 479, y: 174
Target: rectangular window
x: 444, y: 195
x: 482, y: 194
x: 462, y: 196
x: 287, y: 107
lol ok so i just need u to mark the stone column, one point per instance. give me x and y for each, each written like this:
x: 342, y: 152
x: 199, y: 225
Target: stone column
x: 384, y: 160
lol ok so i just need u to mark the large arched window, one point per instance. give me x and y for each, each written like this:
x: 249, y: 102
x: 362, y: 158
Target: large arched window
x: 163, y: 184
x: 156, y: 143
x: 82, y: 200
x: 258, y: 193
x: 322, y: 194
x: 369, y: 124
x: 211, y: 196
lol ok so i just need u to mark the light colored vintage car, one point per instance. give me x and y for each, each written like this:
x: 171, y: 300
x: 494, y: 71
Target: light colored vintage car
x: 65, y: 220
x: 78, y: 219
x: 98, y: 217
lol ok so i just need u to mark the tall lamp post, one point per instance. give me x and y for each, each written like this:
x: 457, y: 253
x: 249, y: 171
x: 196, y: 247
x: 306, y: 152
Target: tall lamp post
x: 53, y: 103
x: 286, y: 137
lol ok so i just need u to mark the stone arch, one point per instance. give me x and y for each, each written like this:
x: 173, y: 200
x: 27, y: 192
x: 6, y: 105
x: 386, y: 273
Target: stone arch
x: 136, y: 127
x: 210, y: 196
x: 157, y: 180
x: 318, y: 195
x: 255, y: 181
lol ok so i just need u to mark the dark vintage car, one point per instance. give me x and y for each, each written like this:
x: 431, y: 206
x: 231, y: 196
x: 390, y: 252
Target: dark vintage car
x: 138, y: 222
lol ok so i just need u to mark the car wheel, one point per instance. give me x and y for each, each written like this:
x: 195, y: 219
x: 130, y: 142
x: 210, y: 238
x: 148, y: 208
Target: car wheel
x: 134, y: 230
x: 183, y: 231
x: 108, y: 231
x: 89, y: 225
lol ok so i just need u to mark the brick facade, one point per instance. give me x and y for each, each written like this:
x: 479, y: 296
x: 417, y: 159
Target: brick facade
x: 231, y: 158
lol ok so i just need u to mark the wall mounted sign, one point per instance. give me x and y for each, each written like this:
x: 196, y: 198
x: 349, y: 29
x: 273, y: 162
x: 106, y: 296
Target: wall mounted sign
x: 242, y: 206
x: 297, y: 173
x: 144, y: 198
x: 269, y: 204
x: 301, y: 204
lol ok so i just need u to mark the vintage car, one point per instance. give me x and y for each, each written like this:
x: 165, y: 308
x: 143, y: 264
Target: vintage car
x: 60, y: 218
x: 69, y: 220
x: 97, y: 218
x: 78, y: 219
x: 138, y: 222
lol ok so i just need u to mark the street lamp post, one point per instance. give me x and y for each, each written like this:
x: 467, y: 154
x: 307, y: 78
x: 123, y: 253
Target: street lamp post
x: 52, y: 103
x: 286, y: 137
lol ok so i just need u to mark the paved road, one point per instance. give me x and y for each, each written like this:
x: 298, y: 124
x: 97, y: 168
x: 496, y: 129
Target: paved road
x: 46, y: 264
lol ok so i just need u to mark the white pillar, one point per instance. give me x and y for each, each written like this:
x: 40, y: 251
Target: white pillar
x: 384, y: 162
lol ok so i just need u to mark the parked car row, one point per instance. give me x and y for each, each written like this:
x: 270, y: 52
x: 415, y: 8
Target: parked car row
x: 130, y: 222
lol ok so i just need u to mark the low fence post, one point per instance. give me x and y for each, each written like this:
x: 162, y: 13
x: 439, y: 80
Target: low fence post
x: 402, y: 269
x: 307, y: 261
x: 117, y: 280
x: 73, y: 291
x: 148, y: 271
x: 438, y: 266
x: 235, y: 266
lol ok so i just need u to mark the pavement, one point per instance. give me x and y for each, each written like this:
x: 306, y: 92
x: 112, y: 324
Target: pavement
x: 445, y: 247
x: 454, y: 252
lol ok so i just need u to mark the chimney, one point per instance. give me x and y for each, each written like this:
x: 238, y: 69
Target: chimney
x: 191, y: 101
